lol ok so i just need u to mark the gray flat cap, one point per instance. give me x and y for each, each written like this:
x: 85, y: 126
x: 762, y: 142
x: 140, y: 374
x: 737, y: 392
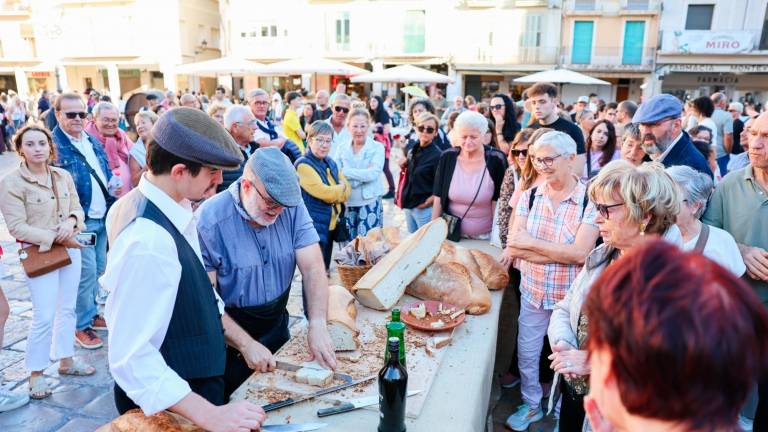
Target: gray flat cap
x: 279, y: 177
x: 190, y: 134
x: 658, y: 108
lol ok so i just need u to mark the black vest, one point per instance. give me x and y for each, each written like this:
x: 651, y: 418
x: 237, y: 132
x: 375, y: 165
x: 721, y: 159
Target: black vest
x: 194, y: 344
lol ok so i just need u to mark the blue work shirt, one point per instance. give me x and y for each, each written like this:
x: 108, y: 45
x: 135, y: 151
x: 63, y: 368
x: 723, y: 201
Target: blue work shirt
x: 253, y: 265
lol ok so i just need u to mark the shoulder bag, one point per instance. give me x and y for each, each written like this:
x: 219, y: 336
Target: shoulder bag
x: 38, y: 263
x: 454, y: 222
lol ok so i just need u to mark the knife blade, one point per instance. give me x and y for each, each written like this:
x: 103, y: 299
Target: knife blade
x: 353, y: 404
x: 298, y: 427
x: 291, y: 401
x: 293, y: 368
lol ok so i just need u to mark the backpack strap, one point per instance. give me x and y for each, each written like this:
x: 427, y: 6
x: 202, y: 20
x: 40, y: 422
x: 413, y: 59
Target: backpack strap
x: 532, y: 198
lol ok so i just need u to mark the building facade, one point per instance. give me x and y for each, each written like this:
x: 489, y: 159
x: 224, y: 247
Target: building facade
x: 614, y: 40
x: 117, y: 46
x: 714, y: 45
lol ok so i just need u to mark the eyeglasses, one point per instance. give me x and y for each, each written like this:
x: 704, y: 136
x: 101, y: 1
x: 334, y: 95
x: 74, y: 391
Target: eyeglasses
x: 497, y: 107
x: 72, y: 115
x: 323, y: 141
x: 251, y: 123
x: 270, y: 203
x: 604, y: 209
x: 546, y: 162
x: 518, y: 153
x: 341, y: 109
x: 427, y: 129
x: 262, y: 103
x: 107, y: 120
x: 658, y: 123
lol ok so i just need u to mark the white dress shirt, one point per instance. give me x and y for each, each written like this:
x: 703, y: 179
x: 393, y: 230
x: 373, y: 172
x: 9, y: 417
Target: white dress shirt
x: 98, y: 207
x: 142, y: 278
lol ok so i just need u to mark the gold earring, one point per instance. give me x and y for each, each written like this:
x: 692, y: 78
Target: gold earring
x: 642, y: 229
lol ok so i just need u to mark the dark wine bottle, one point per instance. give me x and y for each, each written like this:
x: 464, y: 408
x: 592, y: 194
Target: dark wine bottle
x: 393, y: 390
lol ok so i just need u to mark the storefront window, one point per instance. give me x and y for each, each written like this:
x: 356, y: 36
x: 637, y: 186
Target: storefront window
x: 699, y: 17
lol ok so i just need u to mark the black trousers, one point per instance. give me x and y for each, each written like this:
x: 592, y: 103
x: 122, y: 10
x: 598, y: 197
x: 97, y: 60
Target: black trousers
x: 388, y: 175
x: 327, y: 249
x: 212, y: 389
x: 268, y: 324
x: 761, y: 417
x: 571, y: 409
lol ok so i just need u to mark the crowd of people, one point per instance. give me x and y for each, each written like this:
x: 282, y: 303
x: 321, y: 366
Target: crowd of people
x: 593, y: 207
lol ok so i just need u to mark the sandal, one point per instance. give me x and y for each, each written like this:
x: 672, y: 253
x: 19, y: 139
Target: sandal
x: 39, y: 388
x: 78, y: 368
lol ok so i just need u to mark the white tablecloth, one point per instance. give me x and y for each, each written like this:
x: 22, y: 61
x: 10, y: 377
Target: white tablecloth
x: 458, y: 399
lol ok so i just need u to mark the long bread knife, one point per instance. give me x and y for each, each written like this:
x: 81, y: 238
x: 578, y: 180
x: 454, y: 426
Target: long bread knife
x: 291, y: 401
x: 354, y: 404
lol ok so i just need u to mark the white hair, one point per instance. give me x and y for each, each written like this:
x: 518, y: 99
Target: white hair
x: 235, y: 114
x: 101, y: 106
x: 695, y: 186
x: 471, y: 120
x: 560, y: 141
x: 257, y: 92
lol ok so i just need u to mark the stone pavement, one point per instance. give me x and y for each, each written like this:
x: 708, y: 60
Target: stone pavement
x: 85, y: 403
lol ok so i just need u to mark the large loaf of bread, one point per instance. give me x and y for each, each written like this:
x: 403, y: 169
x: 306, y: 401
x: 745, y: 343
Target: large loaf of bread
x: 341, y: 319
x: 385, y: 282
x: 490, y: 271
x: 451, y: 282
x: 135, y: 421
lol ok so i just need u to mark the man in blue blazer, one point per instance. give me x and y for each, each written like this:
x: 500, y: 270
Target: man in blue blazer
x: 663, y: 137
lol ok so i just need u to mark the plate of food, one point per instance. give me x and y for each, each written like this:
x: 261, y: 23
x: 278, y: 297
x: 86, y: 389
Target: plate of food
x: 431, y: 315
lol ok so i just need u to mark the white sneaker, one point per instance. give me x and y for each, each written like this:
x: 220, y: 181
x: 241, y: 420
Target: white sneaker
x: 745, y: 423
x: 10, y: 400
x: 524, y: 416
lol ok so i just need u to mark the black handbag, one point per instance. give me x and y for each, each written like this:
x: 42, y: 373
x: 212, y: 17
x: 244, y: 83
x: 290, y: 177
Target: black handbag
x: 454, y: 222
x: 340, y: 234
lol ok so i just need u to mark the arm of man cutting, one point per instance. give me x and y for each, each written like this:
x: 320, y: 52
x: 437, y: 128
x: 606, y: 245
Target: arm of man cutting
x: 146, y: 269
x: 310, y: 262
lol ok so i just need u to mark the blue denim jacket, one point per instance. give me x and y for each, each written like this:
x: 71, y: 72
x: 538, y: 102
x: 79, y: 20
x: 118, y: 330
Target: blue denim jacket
x: 70, y: 158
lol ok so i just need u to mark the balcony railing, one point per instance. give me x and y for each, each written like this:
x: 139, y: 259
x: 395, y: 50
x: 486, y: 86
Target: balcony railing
x: 608, y: 57
x: 498, y: 57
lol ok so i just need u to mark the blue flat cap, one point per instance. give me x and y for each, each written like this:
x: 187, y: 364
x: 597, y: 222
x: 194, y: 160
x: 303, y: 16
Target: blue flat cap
x: 191, y: 134
x: 277, y: 174
x: 658, y: 108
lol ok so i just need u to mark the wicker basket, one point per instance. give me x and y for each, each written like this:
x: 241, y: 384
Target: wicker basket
x: 349, y: 275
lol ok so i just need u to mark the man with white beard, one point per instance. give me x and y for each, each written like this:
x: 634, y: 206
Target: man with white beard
x: 252, y: 237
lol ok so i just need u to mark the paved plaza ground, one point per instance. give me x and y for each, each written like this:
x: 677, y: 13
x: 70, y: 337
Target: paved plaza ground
x: 80, y: 404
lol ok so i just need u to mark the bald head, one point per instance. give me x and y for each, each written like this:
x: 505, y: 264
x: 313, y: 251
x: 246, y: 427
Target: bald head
x: 188, y: 100
x: 758, y: 143
x: 719, y: 100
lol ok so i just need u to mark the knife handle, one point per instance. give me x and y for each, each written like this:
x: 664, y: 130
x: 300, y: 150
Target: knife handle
x: 278, y: 405
x: 344, y: 407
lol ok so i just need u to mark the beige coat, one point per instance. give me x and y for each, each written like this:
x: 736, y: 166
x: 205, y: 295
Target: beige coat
x: 29, y: 207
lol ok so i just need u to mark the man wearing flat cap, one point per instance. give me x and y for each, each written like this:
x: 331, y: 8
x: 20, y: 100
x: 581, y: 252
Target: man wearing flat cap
x: 252, y: 236
x: 663, y: 137
x: 167, y: 329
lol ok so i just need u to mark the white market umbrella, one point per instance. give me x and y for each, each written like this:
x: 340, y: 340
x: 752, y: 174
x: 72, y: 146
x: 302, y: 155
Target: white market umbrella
x: 219, y: 67
x: 309, y: 65
x: 561, y: 76
x: 403, y: 74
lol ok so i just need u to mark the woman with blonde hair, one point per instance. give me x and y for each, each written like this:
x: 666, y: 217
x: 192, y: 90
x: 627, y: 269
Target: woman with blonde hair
x: 41, y: 208
x: 362, y: 161
x: 216, y: 111
x: 634, y: 204
x: 137, y: 163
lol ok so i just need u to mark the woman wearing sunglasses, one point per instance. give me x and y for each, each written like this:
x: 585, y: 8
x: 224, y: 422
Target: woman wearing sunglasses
x: 418, y: 107
x: 420, y: 167
x: 634, y: 205
x: 505, y: 117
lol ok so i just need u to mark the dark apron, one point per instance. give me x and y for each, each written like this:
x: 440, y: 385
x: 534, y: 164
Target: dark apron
x: 267, y: 324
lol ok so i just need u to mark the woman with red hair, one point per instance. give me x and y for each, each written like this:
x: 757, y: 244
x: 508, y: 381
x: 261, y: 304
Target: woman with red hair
x: 675, y: 341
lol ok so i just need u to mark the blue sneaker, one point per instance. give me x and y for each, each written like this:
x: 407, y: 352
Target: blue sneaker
x: 10, y: 400
x: 523, y: 417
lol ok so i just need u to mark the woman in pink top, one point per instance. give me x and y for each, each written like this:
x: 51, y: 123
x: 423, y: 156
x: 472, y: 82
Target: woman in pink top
x: 469, y: 177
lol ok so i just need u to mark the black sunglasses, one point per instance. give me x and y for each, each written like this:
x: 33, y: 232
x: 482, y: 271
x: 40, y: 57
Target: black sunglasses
x: 497, y: 107
x: 341, y: 109
x: 604, y: 209
x: 427, y: 129
x: 517, y: 153
x: 72, y: 115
